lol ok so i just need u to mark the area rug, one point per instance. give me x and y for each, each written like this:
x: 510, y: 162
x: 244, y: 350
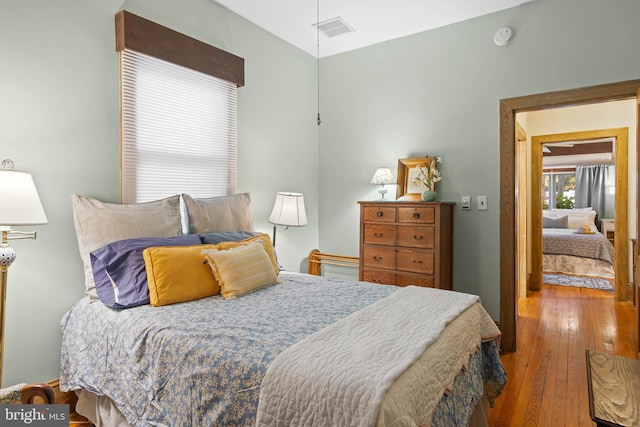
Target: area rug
x: 577, y: 281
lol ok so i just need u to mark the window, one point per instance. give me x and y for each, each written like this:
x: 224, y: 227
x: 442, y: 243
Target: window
x: 178, y: 113
x: 559, y: 189
x: 178, y: 131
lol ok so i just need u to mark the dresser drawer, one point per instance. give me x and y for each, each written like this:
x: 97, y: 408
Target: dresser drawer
x: 379, y: 276
x: 415, y: 261
x: 379, y: 213
x: 380, y: 234
x: 421, y: 215
x: 417, y: 236
x: 379, y: 256
x: 409, y: 279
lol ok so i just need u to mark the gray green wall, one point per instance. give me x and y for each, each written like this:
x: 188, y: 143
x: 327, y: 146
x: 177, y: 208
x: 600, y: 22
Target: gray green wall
x: 435, y: 92
x: 59, y: 119
x: 438, y: 93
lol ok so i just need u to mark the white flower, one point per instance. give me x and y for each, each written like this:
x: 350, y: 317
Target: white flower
x: 428, y: 174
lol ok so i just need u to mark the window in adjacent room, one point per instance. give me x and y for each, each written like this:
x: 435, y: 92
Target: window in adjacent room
x: 178, y: 116
x: 559, y: 189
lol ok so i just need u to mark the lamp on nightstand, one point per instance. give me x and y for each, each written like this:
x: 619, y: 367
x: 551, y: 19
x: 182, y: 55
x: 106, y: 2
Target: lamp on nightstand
x: 381, y: 177
x: 19, y: 205
x: 288, y: 211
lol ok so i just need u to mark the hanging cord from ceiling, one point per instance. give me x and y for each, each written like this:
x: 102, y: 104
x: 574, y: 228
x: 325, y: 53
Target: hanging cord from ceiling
x: 318, y: 54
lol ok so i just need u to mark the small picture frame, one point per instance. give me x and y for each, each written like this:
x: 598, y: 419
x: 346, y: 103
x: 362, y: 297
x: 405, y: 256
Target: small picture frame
x: 407, y: 172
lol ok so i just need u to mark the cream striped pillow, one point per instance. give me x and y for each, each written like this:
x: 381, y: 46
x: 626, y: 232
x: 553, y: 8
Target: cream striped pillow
x: 241, y: 270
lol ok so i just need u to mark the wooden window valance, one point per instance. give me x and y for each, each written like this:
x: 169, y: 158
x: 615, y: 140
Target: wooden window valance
x: 149, y: 38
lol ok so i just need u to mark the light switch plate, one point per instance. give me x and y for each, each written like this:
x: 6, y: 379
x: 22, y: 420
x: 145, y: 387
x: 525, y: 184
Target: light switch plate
x: 482, y: 203
x: 466, y: 203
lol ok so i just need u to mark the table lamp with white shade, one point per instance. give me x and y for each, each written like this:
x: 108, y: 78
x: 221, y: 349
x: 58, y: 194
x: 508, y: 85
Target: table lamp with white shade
x: 288, y: 211
x: 381, y: 177
x: 19, y: 205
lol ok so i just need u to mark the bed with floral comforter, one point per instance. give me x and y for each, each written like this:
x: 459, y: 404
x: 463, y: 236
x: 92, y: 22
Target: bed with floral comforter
x: 203, y: 362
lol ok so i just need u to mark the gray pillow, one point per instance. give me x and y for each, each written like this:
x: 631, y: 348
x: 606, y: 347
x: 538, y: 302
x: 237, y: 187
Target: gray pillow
x: 98, y: 223
x: 560, y: 222
x: 224, y: 213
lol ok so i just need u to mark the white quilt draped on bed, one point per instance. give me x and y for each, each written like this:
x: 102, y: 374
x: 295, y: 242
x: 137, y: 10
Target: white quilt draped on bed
x: 339, y: 375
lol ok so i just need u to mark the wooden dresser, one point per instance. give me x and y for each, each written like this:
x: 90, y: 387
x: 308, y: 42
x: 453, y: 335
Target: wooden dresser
x: 407, y: 243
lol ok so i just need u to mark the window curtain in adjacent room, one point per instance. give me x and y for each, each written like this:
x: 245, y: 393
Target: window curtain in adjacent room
x: 590, y: 187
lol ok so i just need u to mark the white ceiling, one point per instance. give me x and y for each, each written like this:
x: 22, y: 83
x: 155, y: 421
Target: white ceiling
x: 374, y: 21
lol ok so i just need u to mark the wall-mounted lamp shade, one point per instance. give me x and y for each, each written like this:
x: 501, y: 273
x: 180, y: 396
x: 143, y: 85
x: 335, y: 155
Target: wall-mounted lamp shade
x: 19, y: 205
x: 19, y: 200
x: 288, y: 210
x: 382, y: 176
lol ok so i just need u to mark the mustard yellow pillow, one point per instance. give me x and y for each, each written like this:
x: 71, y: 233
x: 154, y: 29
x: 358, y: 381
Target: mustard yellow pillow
x: 259, y: 237
x: 243, y: 269
x: 178, y: 274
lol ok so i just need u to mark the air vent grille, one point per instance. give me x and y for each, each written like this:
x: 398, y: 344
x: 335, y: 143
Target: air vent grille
x: 334, y: 27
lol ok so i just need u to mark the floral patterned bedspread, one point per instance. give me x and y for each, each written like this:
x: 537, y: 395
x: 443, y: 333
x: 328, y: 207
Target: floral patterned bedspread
x: 202, y: 362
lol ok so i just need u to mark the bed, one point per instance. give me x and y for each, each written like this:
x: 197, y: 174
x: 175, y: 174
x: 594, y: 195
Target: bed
x: 300, y: 350
x: 570, y: 249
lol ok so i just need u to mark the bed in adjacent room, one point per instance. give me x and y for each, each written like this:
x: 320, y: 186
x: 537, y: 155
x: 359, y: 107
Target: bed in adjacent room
x: 205, y: 329
x: 572, y: 244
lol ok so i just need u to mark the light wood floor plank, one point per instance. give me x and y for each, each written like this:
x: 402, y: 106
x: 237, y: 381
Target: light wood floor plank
x: 546, y: 377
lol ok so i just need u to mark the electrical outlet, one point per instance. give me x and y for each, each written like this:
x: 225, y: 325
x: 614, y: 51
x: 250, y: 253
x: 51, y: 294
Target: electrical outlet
x: 466, y: 203
x: 482, y: 203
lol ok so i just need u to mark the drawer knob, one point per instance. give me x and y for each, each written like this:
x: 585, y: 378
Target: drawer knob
x: 378, y: 234
x: 379, y: 213
x: 417, y: 262
x: 416, y: 215
x: 377, y: 258
x: 418, y: 237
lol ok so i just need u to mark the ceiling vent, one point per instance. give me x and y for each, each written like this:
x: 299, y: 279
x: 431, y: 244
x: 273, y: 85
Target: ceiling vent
x: 334, y: 27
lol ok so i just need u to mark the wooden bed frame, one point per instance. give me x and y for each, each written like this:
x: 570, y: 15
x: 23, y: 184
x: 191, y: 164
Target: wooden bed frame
x: 317, y: 259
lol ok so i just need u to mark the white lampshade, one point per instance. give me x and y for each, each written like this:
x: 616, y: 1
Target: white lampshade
x: 288, y: 210
x: 382, y: 176
x: 19, y: 200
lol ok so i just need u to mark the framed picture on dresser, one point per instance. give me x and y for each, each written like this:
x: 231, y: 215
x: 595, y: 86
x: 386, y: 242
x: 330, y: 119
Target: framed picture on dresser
x: 407, y: 172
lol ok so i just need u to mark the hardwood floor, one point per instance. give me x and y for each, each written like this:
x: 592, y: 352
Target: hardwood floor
x: 546, y: 377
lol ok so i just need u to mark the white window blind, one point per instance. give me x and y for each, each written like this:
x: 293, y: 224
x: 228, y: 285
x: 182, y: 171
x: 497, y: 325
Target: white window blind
x: 179, y: 131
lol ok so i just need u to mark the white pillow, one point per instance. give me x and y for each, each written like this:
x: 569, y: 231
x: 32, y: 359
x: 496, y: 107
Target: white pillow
x: 98, y: 223
x: 577, y: 219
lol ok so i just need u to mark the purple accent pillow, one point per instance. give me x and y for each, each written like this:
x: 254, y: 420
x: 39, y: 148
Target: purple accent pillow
x: 119, y: 270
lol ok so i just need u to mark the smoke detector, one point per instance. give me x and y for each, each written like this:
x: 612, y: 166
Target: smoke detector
x: 502, y: 36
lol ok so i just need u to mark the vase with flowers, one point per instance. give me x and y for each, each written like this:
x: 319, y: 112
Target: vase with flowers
x: 427, y: 176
